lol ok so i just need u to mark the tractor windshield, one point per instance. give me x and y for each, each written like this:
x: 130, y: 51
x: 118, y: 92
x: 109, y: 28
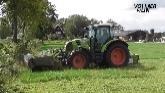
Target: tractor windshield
x: 103, y: 34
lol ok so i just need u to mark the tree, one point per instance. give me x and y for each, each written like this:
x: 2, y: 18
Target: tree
x: 23, y: 14
x: 5, y: 30
x: 74, y: 25
x: 95, y: 21
x: 115, y: 25
x: 47, y: 24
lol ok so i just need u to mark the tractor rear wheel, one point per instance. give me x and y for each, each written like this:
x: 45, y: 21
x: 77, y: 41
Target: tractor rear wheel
x: 117, y: 55
x: 78, y: 60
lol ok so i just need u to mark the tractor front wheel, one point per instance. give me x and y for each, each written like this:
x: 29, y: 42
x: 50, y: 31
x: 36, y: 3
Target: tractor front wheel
x: 117, y: 55
x: 78, y: 60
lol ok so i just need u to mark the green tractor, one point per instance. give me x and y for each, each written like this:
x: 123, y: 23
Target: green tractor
x: 99, y: 47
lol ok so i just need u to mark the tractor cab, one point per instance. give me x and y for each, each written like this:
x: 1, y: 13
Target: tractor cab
x: 100, y: 33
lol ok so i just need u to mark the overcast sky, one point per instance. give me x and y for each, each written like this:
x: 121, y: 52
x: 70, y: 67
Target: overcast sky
x: 121, y: 11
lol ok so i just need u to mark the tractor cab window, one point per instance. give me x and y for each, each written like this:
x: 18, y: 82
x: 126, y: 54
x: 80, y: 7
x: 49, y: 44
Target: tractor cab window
x: 103, y: 33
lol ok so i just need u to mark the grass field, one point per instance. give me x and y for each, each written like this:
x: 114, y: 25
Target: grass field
x: 146, y: 77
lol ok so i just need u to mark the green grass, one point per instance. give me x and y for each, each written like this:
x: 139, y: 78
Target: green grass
x: 53, y: 44
x: 146, y: 77
x: 148, y: 50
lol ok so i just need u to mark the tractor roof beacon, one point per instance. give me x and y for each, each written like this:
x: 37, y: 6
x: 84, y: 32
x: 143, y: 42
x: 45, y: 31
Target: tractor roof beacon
x: 98, y: 48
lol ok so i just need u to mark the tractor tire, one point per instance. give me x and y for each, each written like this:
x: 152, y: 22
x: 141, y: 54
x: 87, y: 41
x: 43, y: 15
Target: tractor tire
x: 117, y: 55
x: 78, y: 60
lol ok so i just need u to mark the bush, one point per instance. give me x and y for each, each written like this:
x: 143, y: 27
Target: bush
x: 8, y: 68
x: 10, y: 54
x: 23, y: 47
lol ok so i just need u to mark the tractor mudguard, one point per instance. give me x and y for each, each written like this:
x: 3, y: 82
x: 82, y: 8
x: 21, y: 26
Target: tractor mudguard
x: 105, y: 47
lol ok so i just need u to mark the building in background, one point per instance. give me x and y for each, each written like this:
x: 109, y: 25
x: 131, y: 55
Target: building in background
x: 56, y: 33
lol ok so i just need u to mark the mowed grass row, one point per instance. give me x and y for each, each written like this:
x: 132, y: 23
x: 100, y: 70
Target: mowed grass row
x: 146, y: 77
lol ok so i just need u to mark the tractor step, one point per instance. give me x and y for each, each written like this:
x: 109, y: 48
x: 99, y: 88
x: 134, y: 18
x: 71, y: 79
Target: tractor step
x: 98, y: 57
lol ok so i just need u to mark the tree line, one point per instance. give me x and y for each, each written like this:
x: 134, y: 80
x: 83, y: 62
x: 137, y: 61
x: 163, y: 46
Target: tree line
x: 36, y: 18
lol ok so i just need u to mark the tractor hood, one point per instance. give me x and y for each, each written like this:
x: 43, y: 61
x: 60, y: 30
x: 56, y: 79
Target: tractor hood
x: 75, y: 44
